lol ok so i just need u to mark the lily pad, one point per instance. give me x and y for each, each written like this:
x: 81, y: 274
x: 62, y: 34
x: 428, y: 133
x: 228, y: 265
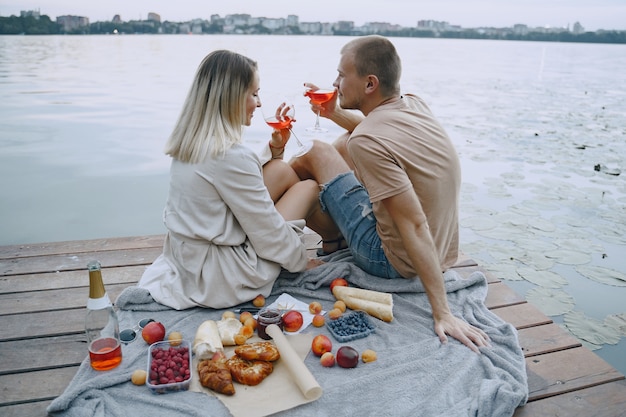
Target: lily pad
x: 618, y: 322
x: 506, y: 271
x: 603, y: 275
x: 590, y: 329
x: 546, y: 279
x: 551, y: 302
x: 569, y: 257
x: 479, y: 223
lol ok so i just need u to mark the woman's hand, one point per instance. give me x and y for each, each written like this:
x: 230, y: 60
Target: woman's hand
x: 280, y: 137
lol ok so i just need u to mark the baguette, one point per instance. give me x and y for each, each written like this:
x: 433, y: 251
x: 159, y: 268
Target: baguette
x: 207, y: 341
x: 374, y: 309
x: 379, y: 297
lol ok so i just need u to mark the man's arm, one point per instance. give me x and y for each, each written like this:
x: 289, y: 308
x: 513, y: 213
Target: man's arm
x: 410, y: 220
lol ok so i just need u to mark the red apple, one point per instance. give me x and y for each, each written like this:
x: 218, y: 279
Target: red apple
x: 292, y: 321
x: 347, y: 357
x: 338, y: 281
x: 321, y: 344
x: 153, y: 332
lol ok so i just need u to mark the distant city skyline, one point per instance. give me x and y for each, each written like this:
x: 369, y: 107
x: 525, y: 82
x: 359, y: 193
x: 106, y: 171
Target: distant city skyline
x: 591, y: 14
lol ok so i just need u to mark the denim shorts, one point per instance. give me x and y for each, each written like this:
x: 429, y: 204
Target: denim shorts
x: 348, y: 203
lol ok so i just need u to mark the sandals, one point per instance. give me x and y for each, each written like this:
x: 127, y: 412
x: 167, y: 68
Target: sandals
x: 339, y: 243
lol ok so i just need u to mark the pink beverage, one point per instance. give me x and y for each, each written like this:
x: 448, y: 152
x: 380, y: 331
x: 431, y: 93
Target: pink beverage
x: 279, y: 124
x: 105, y: 353
x: 320, y: 96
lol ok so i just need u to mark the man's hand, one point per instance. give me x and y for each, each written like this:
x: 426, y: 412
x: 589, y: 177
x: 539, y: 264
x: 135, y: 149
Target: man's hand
x: 470, y: 336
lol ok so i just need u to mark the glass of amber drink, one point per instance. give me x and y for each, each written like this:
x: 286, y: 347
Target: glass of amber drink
x: 105, y: 353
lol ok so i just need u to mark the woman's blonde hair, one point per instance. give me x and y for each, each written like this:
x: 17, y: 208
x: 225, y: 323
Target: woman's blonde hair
x: 212, y: 118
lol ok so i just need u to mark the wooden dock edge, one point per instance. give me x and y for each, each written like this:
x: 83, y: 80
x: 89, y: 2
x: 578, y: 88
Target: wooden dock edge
x: 43, y: 285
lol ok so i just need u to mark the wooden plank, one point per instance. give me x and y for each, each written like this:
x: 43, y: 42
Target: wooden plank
x: 78, y: 261
x: 606, y: 400
x: 35, y: 386
x: 544, y: 339
x: 565, y: 371
x: 68, y: 279
x: 522, y: 315
x: 81, y: 246
x: 26, y: 410
x: 466, y: 271
x: 42, y: 324
x: 31, y: 302
x: 45, y: 353
x: 501, y: 295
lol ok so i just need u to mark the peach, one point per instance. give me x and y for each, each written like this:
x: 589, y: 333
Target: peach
x: 368, y: 355
x: 340, y: 305
x: 318, y: 320
x: 334, y: 314
x: 315, y: 307
x: 259, y: 301
x: 338, y: 281
x: 153, y: 332
x: 292, y: 321
x: 327, y: 359
x: 321, y: 344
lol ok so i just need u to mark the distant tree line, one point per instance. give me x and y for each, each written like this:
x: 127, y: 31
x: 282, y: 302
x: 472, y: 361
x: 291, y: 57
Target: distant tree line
x: 29, y: 25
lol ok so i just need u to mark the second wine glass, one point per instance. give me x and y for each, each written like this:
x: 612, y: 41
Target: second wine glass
x: 283, y: 118
x: 319, y: 96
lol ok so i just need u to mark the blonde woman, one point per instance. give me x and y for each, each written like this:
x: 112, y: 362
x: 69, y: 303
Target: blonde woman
x: 232, y: 222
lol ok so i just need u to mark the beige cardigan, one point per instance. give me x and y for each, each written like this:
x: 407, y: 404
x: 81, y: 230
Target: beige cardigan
x: 226, y: 243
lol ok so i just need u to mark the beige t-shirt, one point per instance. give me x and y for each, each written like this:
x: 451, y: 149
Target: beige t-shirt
x: 398, y: 146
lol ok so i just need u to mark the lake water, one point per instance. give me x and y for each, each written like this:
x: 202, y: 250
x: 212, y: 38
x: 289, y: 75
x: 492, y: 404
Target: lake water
x: 540, y: 128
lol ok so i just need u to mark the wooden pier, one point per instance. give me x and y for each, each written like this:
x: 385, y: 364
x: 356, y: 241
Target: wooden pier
x: 44, y: 287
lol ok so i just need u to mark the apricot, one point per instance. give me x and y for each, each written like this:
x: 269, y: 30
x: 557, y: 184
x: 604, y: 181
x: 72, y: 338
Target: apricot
x: 368, y: 355
x: 250, y: 322
x: 340, y: 305
x: 246, y: 331
x: 138, y: 377
x: 229, y: 315
x: 245, y: 316
x: 334, y: 314
x: 175, y: 338
x: 318, y: 320
x: 315, y: 307
x: 259, y: 301
x: 240, y: 339
x: 327, y: 359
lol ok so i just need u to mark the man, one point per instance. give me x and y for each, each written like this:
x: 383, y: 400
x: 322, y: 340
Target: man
x: 400, y: 218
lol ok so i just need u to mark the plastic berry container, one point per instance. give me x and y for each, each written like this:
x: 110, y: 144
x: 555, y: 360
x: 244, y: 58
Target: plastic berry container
x: 351, y: 326
x: 169, y: 367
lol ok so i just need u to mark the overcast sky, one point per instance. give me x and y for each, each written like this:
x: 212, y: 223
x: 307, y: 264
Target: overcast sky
x: 592, y: 14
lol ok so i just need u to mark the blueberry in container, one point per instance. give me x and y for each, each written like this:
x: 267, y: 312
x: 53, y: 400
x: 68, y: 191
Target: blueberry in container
x: 351, y: 326
x: 169, y: 367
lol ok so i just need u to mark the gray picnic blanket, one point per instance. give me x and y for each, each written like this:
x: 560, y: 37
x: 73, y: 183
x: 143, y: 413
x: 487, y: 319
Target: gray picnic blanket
x: 415, y: 375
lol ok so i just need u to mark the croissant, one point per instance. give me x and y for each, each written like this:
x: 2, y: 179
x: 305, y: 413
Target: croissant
x: 215, y: 375
x: 249, y: 372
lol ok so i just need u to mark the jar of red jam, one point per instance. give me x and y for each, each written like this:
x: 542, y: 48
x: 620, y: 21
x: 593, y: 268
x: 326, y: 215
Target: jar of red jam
x: 267, y: 317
